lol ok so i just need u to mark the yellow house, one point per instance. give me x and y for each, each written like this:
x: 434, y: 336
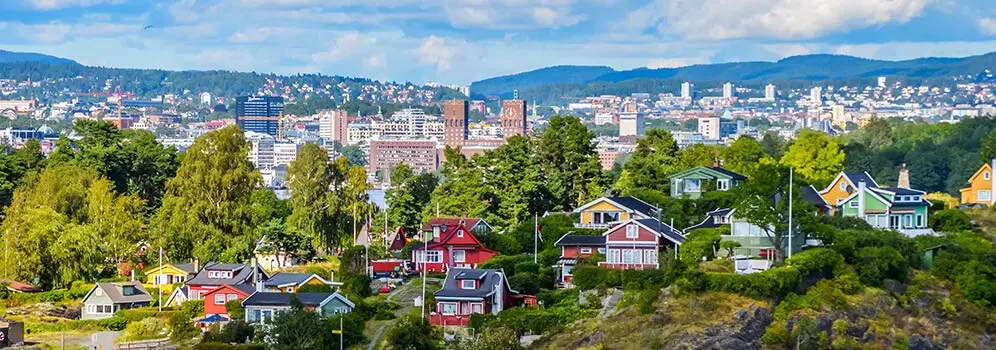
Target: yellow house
x: 291, y: 282
x: 980, y: 190
x: 844, y: 185
x: 165, y: 276
x: 601, y: 212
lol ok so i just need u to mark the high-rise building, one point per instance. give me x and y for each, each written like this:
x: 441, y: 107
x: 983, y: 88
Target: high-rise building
x: 455, y: 122
x: 260, y: 150
x: 769, y: 92
x: 631, y: 124
x: 284, y: 153
x: 728, y: 90
x: 333, y: 125
x: 716, y: 128
x: 816, y: 95
x: 687, y: 89
x: 205, y: 98
x: 881, y: 82
x: 513, y: 118
x: 260, y: 114
x: 385, y: 155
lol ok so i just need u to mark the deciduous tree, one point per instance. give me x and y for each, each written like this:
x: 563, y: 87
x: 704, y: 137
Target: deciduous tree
x: 816, y: 157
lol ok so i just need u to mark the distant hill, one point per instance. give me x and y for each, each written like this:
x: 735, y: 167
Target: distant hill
x: 550, y: 75
x: 9, y: 56
x: 806, y: 67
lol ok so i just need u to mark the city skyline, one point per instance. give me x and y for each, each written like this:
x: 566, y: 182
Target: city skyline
x: 460, y: 41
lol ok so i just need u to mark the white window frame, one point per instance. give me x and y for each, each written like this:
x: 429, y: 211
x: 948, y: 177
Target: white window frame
x: 722, y: 184
x: 477, y: 308
x: 632, y: 231
x: 464, y: 284
x: 843, y: 186
x: 988, y: 195
x: 443, y: 306
x: 649, y: 256
x: 430, y: 256
x: 460, y: 232
x: 853, y: 204
x: 986, y: 175
x: 219, y: 301
x: 459, y: 256
x: 585, y: 250
x: 614, y: 256
x: 231, y: 297
x: 907, y: 221
x: 632, y: 256
x: 98, y: 292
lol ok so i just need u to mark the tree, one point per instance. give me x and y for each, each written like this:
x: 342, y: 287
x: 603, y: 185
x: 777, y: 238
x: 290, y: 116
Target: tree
x: 460, y: 193
x: 655, y: 158
x: 149, y: 166
x: 816, y: 157
x: 514, y: 177
x: 326, y: 197
x: 412, y: 332
x: 764, y: 204
x: 403, y: 210
x: 567, y: 156
x: 987, y: 152
x: 206, y: 211
x: 729, y: 246
x: 773, y: 144
x: 878, y: 133
x: 744, y: 156
x: 300, y: 329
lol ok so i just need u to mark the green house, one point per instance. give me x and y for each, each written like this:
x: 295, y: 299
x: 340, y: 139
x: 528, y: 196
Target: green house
x: 695, y: 182
x: 900, y: 209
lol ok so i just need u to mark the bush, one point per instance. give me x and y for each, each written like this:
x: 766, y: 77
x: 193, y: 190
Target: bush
x: 775, y: 282
x: 504, y: 262
x: 826, y: 292
x: 776, y: 335
x: 526, y: 267
x: 315, y: 288
x: 193, y: 308
x: 235, y: 310
x: 145, y: 329
x: 412, y: 332
x: 878, y: 263
x: 817, y: 259
x: 115, y: 323
x: 948, y: 310
x: 525, y: 283
x: 356, y: 287
x: 729, y: 246
x: 646, y: 300
x: 376, y: 309
x: 223, y: 346
x: 950, y: 220
x: 504, y: 244
x: 318, y: 270
x: 181, y: 329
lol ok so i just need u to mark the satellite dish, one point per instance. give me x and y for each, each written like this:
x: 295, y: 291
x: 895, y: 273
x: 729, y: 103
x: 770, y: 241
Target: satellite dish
x: 850, y: 189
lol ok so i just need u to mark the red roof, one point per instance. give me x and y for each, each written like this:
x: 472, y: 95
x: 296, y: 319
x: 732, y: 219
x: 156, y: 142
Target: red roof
x: 450, y: 233
x: 20, y: 287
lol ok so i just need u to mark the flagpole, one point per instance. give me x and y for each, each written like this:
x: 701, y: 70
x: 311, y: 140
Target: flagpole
x: 159, y: 278
x: 535, y: 237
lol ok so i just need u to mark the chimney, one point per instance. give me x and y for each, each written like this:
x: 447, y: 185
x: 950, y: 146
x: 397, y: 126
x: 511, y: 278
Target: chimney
x: 861, y: 199
x: 904, y: 177
x: 197, y: 265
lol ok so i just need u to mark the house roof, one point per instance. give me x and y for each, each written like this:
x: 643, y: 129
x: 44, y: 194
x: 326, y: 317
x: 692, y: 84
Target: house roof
x: 241, y: 274
x: 489, y: 280
x: 113, y: 291
x: 570, y: 240
x: 281, y: 279
x: 903, y: 191
x: 662, y: 229
x: 631, y: 203
x: 451, y: 231
x: 982, y: 168
x: 710, y: 221
x: 187, y: 267
x: 283, y: 299
x: 179, y: 293
x: 712, y: 171
x: 852, y: 180
x: 810, y: 195
x: 470, y: 222
x: 20, y: 287
x: 244, y: 288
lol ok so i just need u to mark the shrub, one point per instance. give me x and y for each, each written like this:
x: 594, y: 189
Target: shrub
x: 115, y: 323
x: 504, y: 262
x: 193, y: 308
x: 791, y: 303
x: 524, y: 283
x: 181, y: 329
x: 950, y: 220
x: 729, y: 246
x: 776, y: 335
x: 947, y: 309
x: 526, y: 267
x: 315, y: 288
x: 825, y: 292
x: 223, y: 346
x: 235, y: 310
x: 950, y: 262
x: 646, y: 300
x: 239, y: 331
x: 768, y: 284
x: 878, y: 263
x: 412, y: 332
x: 504, y: 244
x: 376, y: 309
x: 816, y: 260
x: 145, y: 329
x: 318, y: 270
x: 356, y: 287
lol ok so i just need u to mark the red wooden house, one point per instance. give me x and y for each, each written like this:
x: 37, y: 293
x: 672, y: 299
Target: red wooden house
x: 214, y: 301
x: 456, y: 248
x: 573, y: 248
x: 631, y: 244
x: 471, y: 291
x: 398, y: 240
x: 214, y: 275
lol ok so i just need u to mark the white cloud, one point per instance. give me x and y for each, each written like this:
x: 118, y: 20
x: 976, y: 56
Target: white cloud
x: 183, y: 11
x: 435, y: 52
x: 988, y: 26
x: 49, y: 33
x: 550, y: 18
x: 376, y: 61
x: 60, y: 4
x: 348, y: 44
x: 105, y: 29
x: 783, y: 19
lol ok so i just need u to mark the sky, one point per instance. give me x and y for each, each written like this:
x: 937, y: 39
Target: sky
x: 461, y: 41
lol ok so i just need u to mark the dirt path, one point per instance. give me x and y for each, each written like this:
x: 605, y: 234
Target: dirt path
x: 407, y: 293
x: 610, y: 302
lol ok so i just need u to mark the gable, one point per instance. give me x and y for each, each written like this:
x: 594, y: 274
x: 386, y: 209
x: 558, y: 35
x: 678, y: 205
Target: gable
x: 601, y: 204
x: 167, y: 269
x: 978, y: 173
x: 618, y: 233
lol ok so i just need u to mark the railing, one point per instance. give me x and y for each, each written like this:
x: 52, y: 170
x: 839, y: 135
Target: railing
x: 595, y: 226
x: 146, y: 345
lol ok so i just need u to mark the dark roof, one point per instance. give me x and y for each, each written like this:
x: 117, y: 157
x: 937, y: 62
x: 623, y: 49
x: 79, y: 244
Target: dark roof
x: 242, y: 274
x: 114, y: 290
x: 810, y: 195
x: 469, y: 222
x: 904, y: 191
x: 730, y: 173
x: 186, y: 267
x: 283, y: 299
x: 862, y: 176
x: 245, y: 288
x: 489, y: 279
x: 635, y: 204
x: 910, y: 204
x: 281, y: 278
x: 662, y: 228
x: 569, y: 239
x: 721, y: 212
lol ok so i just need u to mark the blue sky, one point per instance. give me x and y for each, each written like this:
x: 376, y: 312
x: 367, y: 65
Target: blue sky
x: 460, y: 41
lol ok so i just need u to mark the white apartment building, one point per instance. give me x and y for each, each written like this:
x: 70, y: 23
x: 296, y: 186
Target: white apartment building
x: 687, y: 89
x: 261, y: 150
x: 709, y: 127
x: 284, y: 153
x: 728, y: 90
x: 769, y: 92
x: 631, y: 124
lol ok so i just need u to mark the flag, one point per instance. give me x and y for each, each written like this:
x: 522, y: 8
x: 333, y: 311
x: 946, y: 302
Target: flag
x: 538, y: 232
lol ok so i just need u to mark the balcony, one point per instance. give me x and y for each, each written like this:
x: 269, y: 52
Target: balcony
x: 591, y: 226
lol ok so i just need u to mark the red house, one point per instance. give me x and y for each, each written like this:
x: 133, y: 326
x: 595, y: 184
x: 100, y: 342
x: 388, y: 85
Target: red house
x: 398, y: 240
x: 214, y: 301
x: 471, y: 291
x: 573, y: 248
x: 631, y: 244
x: 456, y: 248
x: 214, y: 275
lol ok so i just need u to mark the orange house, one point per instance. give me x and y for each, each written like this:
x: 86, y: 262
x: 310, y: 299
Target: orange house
x: 844, y: 185
x: 980, y: 190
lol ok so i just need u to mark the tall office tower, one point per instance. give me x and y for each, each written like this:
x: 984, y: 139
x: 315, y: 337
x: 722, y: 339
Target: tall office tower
x: 816, y: 95
x: 455, y: 125
x: 260, y: 114
x: 769, y: 92
x: 332, y: 125
x: 687, y: 89
x: 513, y: 117
x: 631, y: 124
x: 728, y: 90
x: 881, y: 82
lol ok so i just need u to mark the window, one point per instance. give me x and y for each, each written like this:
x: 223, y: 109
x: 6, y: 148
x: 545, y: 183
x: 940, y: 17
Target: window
x: 986, y: 175
x: 843, y: 186
x: 289, y: 289
x: 468, y: 284
x: 919, y: 221
x: 459, y: 256
x: 649, y: 256
x: 632, y: 256
x: 613, y: 257
x: 692, y: 185
x: 907, y: 220
x: 465, y: 308
x: 894, y: 221
x: 632, y: 231
x: 916, y: 198
x: 985, y: 195
x: 601, y: 251
x: 585, y: 250
x: 233, y: 297
x: 477, y: 308
x: 100, y: 309
x: 448, y: 308
x: 722, y: 185
x: 604, y: 217
x: 219, y: 299
x: 430, y: 256
x: 460, y: 233
x: 98, y: 292
x: 853, y: 204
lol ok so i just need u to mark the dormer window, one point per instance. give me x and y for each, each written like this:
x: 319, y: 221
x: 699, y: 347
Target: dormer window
x: 468, y: 284
x: 219, y: 274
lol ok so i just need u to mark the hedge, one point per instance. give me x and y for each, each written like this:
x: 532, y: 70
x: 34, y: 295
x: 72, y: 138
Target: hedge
x: 223, y: 346
x: 775, y: 282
